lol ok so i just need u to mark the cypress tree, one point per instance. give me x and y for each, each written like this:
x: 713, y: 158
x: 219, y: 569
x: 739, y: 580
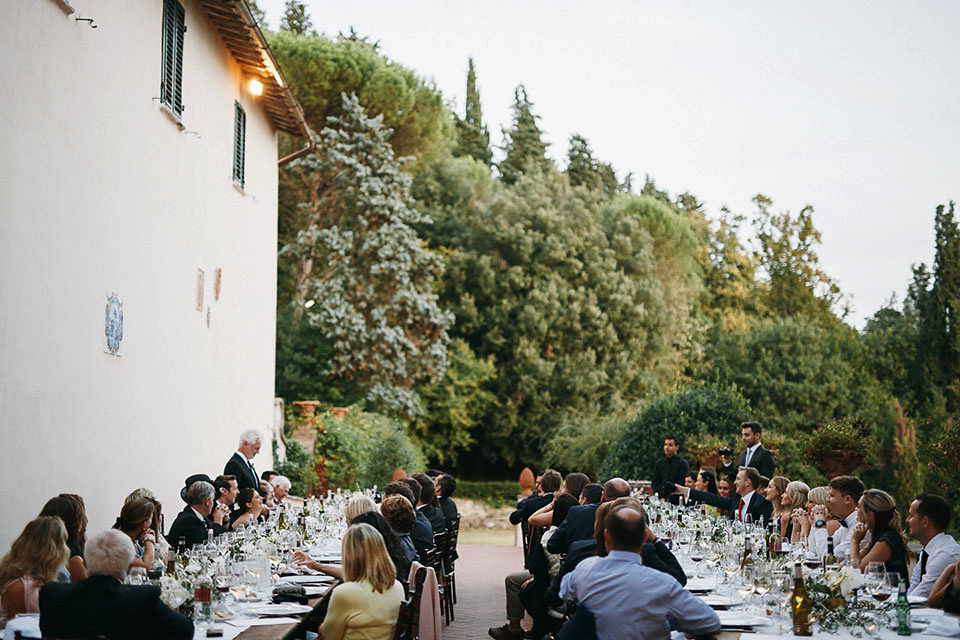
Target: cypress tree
x: 295, y: 18
x: 523, y: 144
x: 474, y: 137
x: 582, y: 169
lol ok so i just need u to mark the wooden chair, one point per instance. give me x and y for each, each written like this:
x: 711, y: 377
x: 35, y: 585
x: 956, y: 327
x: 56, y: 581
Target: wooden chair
x: 450, y: 557
x: 441, y: 542
x: 525, y: 532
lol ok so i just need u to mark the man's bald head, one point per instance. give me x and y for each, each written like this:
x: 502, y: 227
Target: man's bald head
x: 615, y: 488
x: 624, y: 529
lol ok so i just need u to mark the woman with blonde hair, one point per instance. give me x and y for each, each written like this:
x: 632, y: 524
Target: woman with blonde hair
x: 34, y: 558
x: 813, y: 512
x: 357, y: 505
x: 366, y: 605
x: 877, y: 513
x: 794, y: 496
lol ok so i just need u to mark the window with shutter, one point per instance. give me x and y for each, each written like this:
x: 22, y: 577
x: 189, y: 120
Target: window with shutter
x: 239, y: 142
x: 171, y: 78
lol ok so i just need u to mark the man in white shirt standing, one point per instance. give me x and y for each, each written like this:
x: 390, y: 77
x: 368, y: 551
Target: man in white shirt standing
x: 928, y: 518
x: 845, y: 492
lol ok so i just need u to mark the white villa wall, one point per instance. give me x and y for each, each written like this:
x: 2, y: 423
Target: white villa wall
x: 100, y: 190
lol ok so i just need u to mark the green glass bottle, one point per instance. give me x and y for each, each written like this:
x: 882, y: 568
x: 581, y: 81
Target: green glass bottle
x: 903, y: 610
x: 800, y: 604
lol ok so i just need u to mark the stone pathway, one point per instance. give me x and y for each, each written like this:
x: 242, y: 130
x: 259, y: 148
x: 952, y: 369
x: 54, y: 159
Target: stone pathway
x: 480, y: 599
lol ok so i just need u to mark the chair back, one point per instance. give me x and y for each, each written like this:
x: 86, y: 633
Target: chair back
x: 408, y: 620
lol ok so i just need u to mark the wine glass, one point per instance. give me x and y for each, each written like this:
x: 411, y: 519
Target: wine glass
x: 137, y: 575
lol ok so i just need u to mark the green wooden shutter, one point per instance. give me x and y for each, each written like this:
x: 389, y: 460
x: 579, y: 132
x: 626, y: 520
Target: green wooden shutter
x: 171, y: 75
x: 239, y: 142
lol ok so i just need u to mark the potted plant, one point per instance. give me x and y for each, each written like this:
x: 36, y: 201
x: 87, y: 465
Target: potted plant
x: 838, y: 447
x: 703, y: 451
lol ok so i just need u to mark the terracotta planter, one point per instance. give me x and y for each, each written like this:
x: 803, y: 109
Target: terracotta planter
x: 840, y: 462
x: 527, y: 481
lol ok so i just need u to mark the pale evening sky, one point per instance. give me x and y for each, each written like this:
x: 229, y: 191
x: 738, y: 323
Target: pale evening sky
x: 852, y: 107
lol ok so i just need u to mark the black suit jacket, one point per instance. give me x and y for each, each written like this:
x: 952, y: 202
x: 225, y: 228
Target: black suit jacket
x: 422, y: 534
x: 529, y: 506
x: 191, y: 528
x: 762, y: 461
x: 578, y: 525
x: 758, y: 507
x: 435, y: 516
x: 237, y: 466
x: 101, y: 605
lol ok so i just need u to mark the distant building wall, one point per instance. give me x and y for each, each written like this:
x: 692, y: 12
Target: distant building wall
x: 100, y: 190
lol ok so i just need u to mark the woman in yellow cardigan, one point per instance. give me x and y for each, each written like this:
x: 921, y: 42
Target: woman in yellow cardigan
x: 366, y: 605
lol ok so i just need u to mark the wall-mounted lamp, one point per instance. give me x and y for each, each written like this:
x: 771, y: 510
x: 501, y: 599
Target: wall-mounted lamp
x: 255, y: 87
x: 89, y: 21
x: 309, y: 303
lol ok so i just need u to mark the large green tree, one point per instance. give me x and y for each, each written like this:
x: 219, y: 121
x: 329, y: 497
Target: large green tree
x: 361, y: 261
x: 523, y: 145
x: 473, y: 137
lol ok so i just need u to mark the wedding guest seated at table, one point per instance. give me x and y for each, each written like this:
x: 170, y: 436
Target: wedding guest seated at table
x: 157, y: 525
x: 396, y: 552
x: 814, y: 524
x: 428, y: 503
x: 268, y: 475
x: 446, y: 485
x: 192, y: 523
x: 249, y: 509
x: 135, y: 520
x: 690, y: 480
x: 550, y: 482
x: 226, y: 489
x: 774, y: 495
x: 357, y: 505
x: 723, y: 487
x: 422, y: 533
x: 578, y: 525
x: 398, y: 513
x: 555, y: 512
x: 366, y: 605
x: 794, y: 496
x: 281, y: 489
x: 845, y: 492
x: 70, y: 509
x: 928, y: 519
x: 103, y: 605
x: 877, y: 514
x: 747, y: 501
x: 267, y: 497
x: 707, y: 481
x: 34, y: 559
x: 945, y: 593
x: 609, y: 587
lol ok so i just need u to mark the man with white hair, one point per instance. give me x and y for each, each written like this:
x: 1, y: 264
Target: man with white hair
x: 103, y: 605
x: 281, y: 492
x: 241, y: 463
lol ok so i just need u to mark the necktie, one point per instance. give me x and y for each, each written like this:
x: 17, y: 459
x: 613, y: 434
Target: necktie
x: 746, y: 460
x: 740, y: 510
x: 252, y: 470
x: 923, y: 562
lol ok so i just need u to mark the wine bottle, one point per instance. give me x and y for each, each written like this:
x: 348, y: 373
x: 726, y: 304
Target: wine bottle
x: 202, y: 587
x: 281, y: 521
x: 830, y: 560
x: 800, y: 604
x: 775, y: 541
x: 182, y: 551
x: 903, y: 610
x: 746, y: 563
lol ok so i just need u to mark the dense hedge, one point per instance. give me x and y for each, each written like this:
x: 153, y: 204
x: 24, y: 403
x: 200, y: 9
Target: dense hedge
x: 685, y: 414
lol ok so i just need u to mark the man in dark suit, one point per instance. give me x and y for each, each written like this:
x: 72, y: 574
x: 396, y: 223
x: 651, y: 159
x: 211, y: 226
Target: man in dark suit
x: 193, y: 522
x: 755, y: 455
x: 101, y: 604
x: 669, y: 468
x: 578, y: 525
x: 425, y: 503
x: 241, y: 463
x: 746, y: 501
x: 549, y: 483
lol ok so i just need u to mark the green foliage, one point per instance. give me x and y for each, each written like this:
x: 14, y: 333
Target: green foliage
x: 852, y: 436
x: 688, y: 414
x: 584, y: 441
x: 942, y: 450
x: 455, y: 407
x: 523, y: 145
x: 473, y: 137
x: 320, y: 70
x: 295, y: 18
x: 582, y: 309
x: 361, y: 260
x: 363, y: 449
x: 496, y: 493
x: 257, y: 13
x: 298, y: 468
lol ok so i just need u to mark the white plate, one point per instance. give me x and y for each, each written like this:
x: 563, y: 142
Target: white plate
x: 310, y: 579
x: 718, y: 601
x: 282, y: 609
x: 701, y: 584
x: 740, y: 619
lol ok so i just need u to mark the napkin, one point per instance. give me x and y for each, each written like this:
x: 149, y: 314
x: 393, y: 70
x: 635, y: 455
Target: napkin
x: 28, y: 625
x: 946, y: 627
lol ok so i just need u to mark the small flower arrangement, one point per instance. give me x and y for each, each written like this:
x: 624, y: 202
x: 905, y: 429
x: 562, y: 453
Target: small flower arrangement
x: 836, y: 602
x: 177, y: 594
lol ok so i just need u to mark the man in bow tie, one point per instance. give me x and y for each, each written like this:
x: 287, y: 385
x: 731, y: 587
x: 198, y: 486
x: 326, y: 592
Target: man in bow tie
x: 928, y: 518
x: 241, y: 463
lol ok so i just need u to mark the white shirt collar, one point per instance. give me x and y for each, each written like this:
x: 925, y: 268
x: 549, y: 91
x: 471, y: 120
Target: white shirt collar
x: 747, y: 498
x: 754, y: 448
x: 936, y: 542
x: 197, y: 513
x: 851, y: 519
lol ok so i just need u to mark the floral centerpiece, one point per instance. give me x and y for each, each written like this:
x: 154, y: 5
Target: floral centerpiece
x: 177, y: 593
x: 834, y: 594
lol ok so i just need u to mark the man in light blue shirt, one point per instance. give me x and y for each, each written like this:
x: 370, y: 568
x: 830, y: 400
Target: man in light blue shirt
x: 627, y: 599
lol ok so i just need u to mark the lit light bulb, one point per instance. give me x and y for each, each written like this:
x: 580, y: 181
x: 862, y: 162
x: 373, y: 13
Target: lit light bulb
x: 256, y: 87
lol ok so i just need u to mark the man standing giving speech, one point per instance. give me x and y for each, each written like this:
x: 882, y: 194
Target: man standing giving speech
x: 241, y: 464
x: 755, y: 455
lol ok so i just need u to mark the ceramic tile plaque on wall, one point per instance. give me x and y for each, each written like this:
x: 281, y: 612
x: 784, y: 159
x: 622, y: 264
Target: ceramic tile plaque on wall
x: 199, y: 289
x: 113, y: 324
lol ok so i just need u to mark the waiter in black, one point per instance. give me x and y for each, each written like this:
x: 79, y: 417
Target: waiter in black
x: 669, y: 468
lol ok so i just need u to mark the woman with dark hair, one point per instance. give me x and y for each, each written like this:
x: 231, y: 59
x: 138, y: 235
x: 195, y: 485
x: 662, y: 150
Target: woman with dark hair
x: 690, y: 481
x: 706, y: 480
x: 249, y: 503
x: 399, y: 557
x: 136, y: 521
x: 877, y: 513
x: 70, y: 509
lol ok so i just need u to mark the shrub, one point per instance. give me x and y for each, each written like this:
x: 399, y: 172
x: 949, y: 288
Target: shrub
x: 362, y: 450
x: 687, y: 414
x: 497, y: 493
x: 298, y: 468
x: 583, y: 443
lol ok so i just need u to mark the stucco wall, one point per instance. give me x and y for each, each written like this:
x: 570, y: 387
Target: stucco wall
x: 100, y: 190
